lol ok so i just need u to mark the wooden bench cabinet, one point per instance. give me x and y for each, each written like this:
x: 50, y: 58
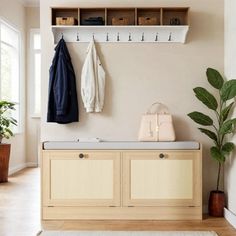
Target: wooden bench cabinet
x: 121, y: 184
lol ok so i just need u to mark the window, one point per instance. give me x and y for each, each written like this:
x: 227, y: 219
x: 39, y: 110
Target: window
x: 35, y: 73
x: 10, y: 68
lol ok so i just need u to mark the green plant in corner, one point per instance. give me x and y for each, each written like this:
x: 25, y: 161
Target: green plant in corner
x: 6, y: 121
x: 221, y: 107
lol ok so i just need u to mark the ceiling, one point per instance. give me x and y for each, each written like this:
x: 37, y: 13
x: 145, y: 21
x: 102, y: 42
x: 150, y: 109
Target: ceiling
x: 29, y: 3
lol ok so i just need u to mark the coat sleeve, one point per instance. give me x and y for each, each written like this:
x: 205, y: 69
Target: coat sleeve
x: 88, y: 83
x: 60, y: 89
x: 100, y: 95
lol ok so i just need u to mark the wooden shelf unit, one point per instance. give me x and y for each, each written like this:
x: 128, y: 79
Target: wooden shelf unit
x: 164, y: 15
x: 117, y: 25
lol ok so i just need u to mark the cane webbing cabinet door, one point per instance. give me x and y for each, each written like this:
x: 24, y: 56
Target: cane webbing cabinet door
x: 166, y: 178
x: 82, y: 178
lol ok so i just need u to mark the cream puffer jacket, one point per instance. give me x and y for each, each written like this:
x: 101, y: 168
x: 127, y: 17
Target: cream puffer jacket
x: 92, y: 81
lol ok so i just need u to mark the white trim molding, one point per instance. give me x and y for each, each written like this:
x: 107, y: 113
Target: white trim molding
x: 15, y: 169
x: 31, y: 73
x: 32, y: 164
x: 230, y: 217
x: 205, y: 209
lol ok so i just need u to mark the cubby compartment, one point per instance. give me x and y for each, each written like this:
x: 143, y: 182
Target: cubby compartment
x: 92, y: 16
x: 175, y: 16
x: 66, y: 16
x: 148, y: 16
x: 121, y: 16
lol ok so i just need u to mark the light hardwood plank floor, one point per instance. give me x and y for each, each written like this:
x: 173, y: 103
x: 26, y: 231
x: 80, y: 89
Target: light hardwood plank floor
x: 20, y: 204
x: 220, y: 225
x: 20, y: 213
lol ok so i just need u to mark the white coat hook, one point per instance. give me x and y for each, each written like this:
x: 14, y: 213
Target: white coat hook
x: 142, y: 37
x: 77, y: 38
x: 130, y: 38
x: 118, y: 37
x: 107, y: 38
x: 156, y: 39
x: 62, y: 36
x: 170, y: 37
x: 93, y: 36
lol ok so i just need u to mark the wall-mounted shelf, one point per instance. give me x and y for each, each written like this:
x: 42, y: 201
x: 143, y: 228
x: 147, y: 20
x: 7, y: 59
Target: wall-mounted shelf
x: 121, y: 24
x: 117, y: 34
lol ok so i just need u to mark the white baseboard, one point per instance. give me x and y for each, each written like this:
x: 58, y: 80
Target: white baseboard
x: 32, y: 164
x: 15, y: 169
x: 230, y: 217
x: 205, y: 209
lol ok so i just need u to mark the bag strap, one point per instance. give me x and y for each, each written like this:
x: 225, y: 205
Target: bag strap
x: 163, y: 108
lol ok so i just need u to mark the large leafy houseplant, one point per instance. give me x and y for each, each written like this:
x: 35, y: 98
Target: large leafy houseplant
x: 219, y: 122
x: 6, y: 121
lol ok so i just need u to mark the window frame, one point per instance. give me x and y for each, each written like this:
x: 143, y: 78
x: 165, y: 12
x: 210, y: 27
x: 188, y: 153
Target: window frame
x: 19, y: 128
x: 31, y: 71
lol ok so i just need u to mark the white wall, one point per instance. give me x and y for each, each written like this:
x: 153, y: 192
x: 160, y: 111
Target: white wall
x: 140, y: 74
x: 14, y: 13
x: 32, y: 123
x: 230, y: 72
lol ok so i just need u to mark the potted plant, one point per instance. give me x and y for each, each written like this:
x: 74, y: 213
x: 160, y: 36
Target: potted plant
x: 220, y: 125
x: 6, y: 122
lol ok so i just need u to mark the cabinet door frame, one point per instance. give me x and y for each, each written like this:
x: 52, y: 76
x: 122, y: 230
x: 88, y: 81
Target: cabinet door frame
x: 193, y: 155
x: 47, y: 156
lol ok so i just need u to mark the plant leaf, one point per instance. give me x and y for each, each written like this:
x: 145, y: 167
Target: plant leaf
x: 217, y: 155
x: 228, y: 147
x: 214, y: 78
x: 206, y: 98
x: 227, y: 127
x: 6, y: 121
x: 225, y: 112
x: 228, y: 90
x: 209, y: 133
x: 7, y: 104
x: 9, y: 131
x: 201, y: 118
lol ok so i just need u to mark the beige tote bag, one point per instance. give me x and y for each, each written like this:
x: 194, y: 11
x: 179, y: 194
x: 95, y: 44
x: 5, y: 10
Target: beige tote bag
x: 157, y: 126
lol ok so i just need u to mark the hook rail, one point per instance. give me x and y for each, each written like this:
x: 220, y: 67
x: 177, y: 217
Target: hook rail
x: 152, y: 34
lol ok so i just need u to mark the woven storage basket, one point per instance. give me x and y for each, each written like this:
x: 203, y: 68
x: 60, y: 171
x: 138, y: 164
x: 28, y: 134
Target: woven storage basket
x: 120, y: 21
x: 65, y: 21
x: 147, y: 21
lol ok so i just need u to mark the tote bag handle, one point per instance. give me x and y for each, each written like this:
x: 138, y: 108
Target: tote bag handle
x: 163, y: 108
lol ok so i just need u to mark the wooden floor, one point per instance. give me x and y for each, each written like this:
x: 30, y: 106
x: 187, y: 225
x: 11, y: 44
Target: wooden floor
x: 20, y: 204
x: 20, y: 214
x: 221, y: 226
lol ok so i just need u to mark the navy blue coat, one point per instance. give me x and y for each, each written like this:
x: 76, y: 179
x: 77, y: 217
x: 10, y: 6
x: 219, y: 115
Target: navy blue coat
x: 62, y: 101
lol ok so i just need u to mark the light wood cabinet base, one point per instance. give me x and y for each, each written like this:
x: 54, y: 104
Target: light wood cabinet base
x: 122, y: 213
x: 121, y: 185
